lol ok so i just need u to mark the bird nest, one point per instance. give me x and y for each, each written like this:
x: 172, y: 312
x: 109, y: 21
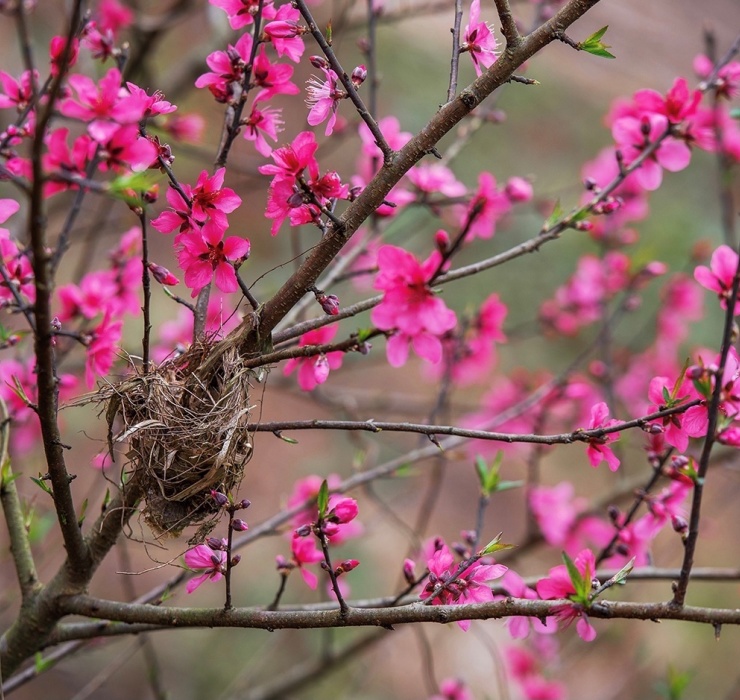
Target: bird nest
x: 186, y: 428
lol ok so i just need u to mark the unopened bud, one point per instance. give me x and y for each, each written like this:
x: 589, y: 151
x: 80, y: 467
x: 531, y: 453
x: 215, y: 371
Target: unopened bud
x: 220, y: 498
x: 679, y: 524
x: 236, y: 559
x: 329, y: 303
x: 215, y: 543
x: 239, y: 525
x: 346, y: 566
x: 518, y: 189
x: 303, y: 531
x: 163, y: 275
x: 56, y: 324
x: 442, y: 241
x: 409, y: 574
x: 244, y: 504
x: 358, y: 75
x: 319, y: 62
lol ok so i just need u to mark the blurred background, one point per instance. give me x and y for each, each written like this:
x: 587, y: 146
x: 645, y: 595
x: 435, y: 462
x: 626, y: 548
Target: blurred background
x: 545, y: 133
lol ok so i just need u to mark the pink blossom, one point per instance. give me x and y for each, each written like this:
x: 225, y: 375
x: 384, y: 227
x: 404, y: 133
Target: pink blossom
x: 555, y: 509
x: 410, y: 306
x: 209, y: 196
x: 212, y: 562
x: 104, y: 106
x: 241, y: 12
x: 598, y: 448
x: 205, y: 256
x: 185, y: 127
x: 436, y: 179
x: 720, y: 274
x: 291, y: 161
x: 60, y: 158
x: 323, y: 100
x: 102, y: 348
x: 305, y: 552
x: 16, y: 93
x: 314, y: 370
x: 113, y: 16
x: 263, y: 121
x: 273, y: 78
x: 447, y: 587
x: 155, y: 103
x: 487, y: 207
x: 559, y: 585
x: 672, y: 154
x: 519, y: 626
x: 674, y: 432
x: 285, y: 32
x: 56, y: 53
x: 179, y: 217
x: 452, y: 689
x: 479, y: 40
x: 227, y: 67
x: 679, y: 103
x: 125, y: 148
x: 727, y: 82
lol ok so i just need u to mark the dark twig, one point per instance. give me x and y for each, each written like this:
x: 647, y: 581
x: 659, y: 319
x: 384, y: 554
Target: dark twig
x: 455, y: 59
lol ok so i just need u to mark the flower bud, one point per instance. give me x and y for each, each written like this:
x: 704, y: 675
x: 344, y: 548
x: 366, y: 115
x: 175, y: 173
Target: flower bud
x: 346, y: 566
x: 56, y: 324
x: 239, y: 525
x: 244, y: 504
x: 236, y: 559
x: 215, y: 543
x: 409, y: 573
x: 163, y: 275
x: 319, y: 62
x: 220, y: 498
x: 518, y: 189
x: 344, y: 510
x: 359, y: 74
x: 329, y: 303
x: 303, y: 531
x: 442, y: 241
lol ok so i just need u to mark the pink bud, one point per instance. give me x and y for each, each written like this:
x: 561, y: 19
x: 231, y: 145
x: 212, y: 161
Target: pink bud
x: 344, y: 510
x: 319, y: 62
x: 239, y: 525
x: 518, y: 190
x: 163, y: 275
x: 346, y: 566
x: 321, y: 369
x: 409, y: 573
x: 442, y: 241
x: 220, y: 498
x: 281, y: 29
x: 359, y: 75
x: 329, y: 303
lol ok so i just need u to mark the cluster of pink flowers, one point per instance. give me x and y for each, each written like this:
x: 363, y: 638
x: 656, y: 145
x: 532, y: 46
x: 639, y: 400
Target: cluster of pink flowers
x: 297, y: 191
x: 449, y: 583
x: 314, y: 370
x: 410, y: 308
x: 340, y: 524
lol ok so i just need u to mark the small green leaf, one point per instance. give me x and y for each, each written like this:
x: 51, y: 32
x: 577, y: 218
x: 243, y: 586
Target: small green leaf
x: 496, y: 545
x: 128, y: 187
x: 41, y: 664
x: 322, y: 499
x: 507, y: 485
x: 83, y: 512
x: 554, y: 218
x: 284, y: 438
x: 594, y: 45
x: 582, y: 586
x: 363, y: 334
x: 6, y: 474
x: 666, y: 395
x: 41, y: 483
x: 481, y: 468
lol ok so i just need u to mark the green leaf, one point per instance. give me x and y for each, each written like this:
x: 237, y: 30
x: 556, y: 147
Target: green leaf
x: 674, y: 687
x: 481, y: 468
x: 83, y: 512
x: 41, y: 483
x: 363, y: 334
x: 41, y: 664
x: 594, y: 45
x: 666, y: 396
x: 322, y: 500
x: 129, y: 187
x: 6, y: 474
x: 581, y: 586
x: 554, y: 218
x: 496, y: 545
x: 507, y: 485
x: 289, y: 440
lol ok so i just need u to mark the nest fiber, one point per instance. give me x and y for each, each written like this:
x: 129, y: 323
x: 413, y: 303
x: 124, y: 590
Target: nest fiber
x: 186, y: 427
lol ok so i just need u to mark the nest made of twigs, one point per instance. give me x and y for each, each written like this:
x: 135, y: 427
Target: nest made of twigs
x: 186, y: 428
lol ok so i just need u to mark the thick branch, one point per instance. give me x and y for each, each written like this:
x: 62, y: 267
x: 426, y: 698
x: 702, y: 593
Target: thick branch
x: 255, y: 618
x: 399, y: 164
